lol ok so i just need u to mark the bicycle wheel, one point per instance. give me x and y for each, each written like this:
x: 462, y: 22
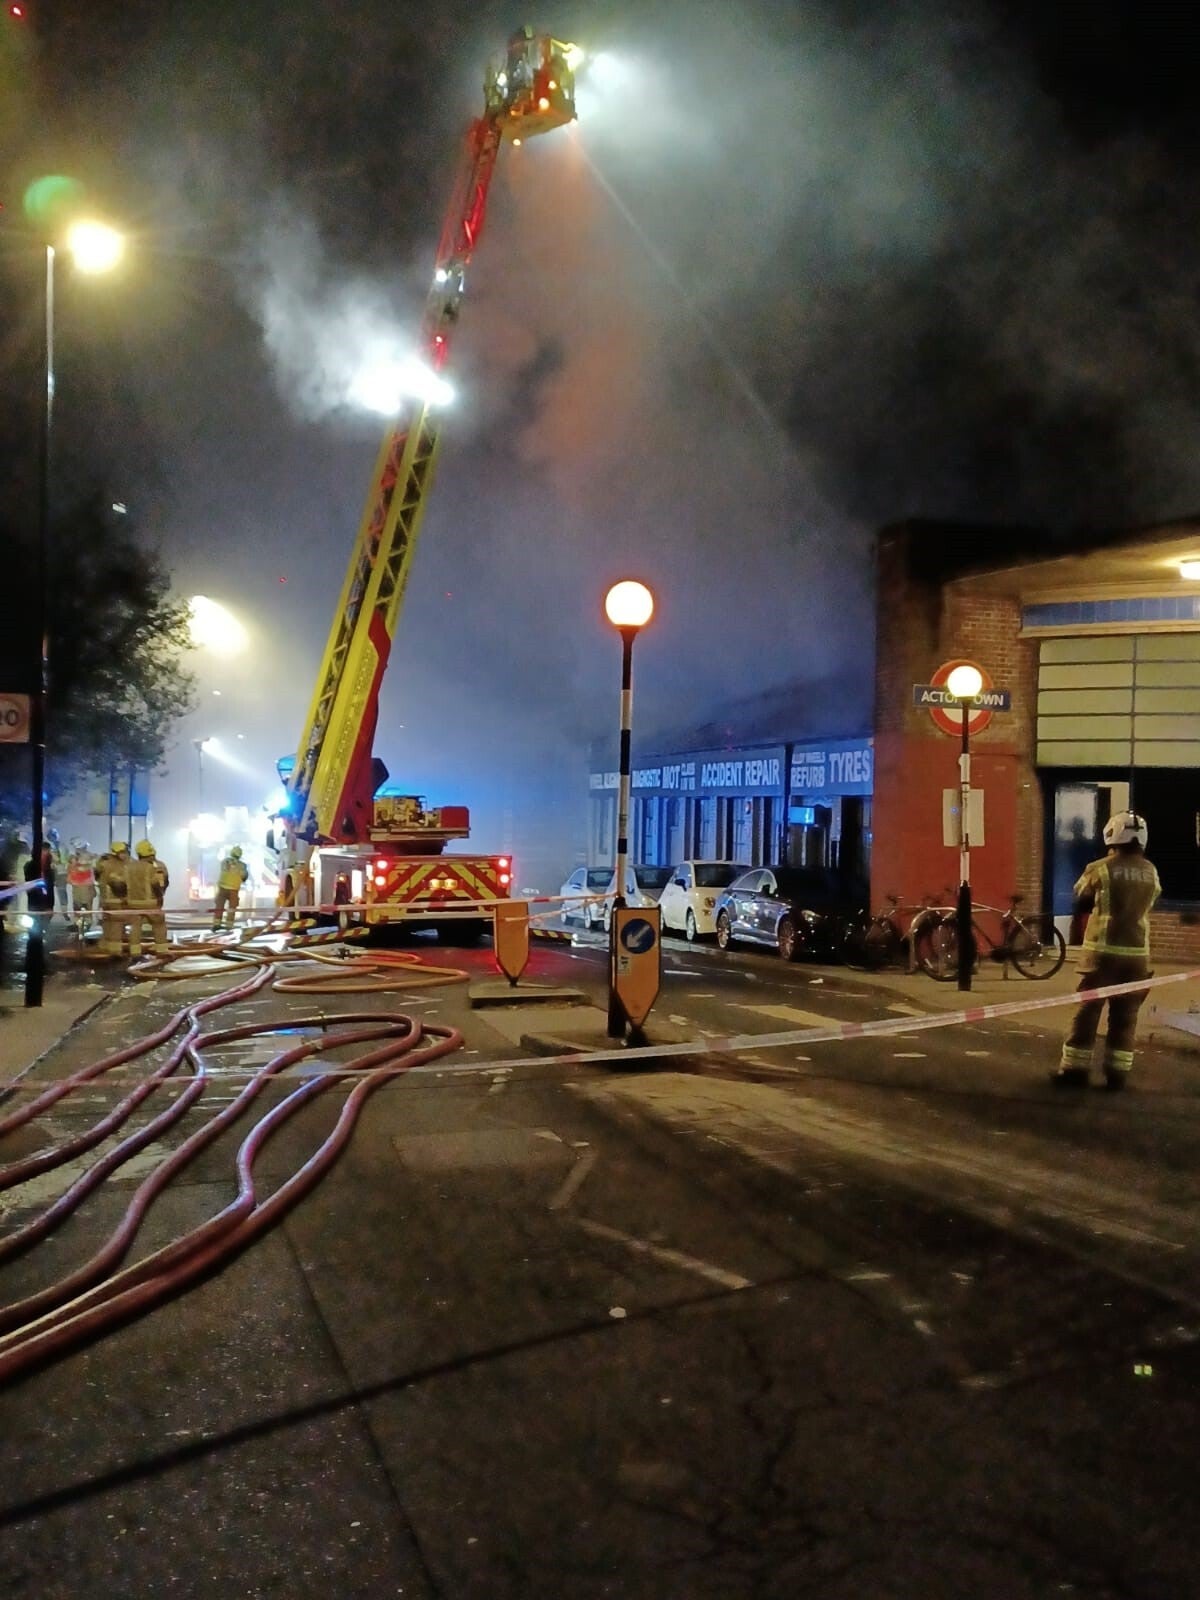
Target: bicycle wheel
x: 874, y: 946
x: 937, y: 949
x: 1036, y: 947
x: 920, y: 931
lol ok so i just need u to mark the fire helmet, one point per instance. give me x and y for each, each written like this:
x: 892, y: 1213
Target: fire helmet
x: 235, y: 851
x: 1126, y: 827
x: 144, y: 849
x: 119, y: 847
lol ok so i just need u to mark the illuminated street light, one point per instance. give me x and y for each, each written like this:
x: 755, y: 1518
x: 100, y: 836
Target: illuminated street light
x: 1190, y: 570
x: 94, y: 248
x: 629, y: 605
x: 214, y: 627
x: 964, y: 682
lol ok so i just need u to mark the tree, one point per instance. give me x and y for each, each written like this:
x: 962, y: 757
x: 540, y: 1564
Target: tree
x: 117, y: 640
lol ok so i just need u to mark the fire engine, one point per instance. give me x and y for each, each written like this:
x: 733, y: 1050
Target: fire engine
x: 344, y: 835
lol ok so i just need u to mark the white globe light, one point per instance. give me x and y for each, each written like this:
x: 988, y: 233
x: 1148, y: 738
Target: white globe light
x: 629, y: 604
x: 965, y: 682
x: 94, y: 246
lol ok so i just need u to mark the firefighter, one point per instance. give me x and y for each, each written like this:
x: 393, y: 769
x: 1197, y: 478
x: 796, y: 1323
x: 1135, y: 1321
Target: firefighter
x: 112, y: 879
x: 81, y: 882
x: 146, y: 883
x: 1117, y: 894
x: 230, y: 879
x: 520, y: 66
x: 58, y: 861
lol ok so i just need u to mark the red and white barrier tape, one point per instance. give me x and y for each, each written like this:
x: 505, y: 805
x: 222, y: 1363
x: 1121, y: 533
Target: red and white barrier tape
x: 737, y: 1044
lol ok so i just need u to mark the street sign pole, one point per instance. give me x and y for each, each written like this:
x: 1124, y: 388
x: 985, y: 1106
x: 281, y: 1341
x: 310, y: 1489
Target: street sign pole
x: 966, y: 934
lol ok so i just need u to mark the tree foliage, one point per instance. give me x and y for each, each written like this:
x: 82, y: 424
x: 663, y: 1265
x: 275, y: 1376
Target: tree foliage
x: 117, y: 640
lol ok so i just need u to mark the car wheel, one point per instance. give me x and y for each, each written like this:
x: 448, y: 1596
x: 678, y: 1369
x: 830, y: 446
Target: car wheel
x: 724, y: 931
x: 785, y: 938
x: 606, y: 919
x: 691, y: 932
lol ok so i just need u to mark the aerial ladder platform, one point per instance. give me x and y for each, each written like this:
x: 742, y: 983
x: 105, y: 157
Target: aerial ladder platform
x: 348, y: 835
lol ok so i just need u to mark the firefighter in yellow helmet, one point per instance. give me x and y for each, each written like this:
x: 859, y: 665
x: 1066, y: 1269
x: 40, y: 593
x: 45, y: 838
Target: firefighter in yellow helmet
x: 112, y: 879
x: 232, y: 876
x: 146, y: 883
x: 1118, y: 893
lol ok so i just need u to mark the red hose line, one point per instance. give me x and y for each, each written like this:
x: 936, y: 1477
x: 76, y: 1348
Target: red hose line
x: 197, y: 1255
x: 120, y: 1241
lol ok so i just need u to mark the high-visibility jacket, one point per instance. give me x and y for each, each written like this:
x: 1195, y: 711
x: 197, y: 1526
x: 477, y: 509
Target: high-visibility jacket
x: 82, y: 871
x: 1120, y: 890
x: 233, y: 873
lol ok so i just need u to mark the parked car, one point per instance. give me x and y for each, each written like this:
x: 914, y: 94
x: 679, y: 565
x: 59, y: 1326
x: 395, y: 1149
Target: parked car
x: 799, y: 910
x: 585, y: 882
x: 689, y: 901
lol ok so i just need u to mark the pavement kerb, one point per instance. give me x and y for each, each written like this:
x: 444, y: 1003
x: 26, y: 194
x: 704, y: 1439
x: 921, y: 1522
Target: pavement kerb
x: 44, y: 1028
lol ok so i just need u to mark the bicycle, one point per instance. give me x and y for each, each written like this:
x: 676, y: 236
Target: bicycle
x: 885, y: 942
x: 1033, y: 945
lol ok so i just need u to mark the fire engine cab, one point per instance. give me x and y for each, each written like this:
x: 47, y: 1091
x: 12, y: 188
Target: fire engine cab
x: 348, y: 843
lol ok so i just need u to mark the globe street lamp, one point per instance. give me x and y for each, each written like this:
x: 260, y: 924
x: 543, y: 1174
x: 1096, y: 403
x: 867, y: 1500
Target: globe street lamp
x: 964, y: 683
x: 94, y: 248
x: 629, y: 605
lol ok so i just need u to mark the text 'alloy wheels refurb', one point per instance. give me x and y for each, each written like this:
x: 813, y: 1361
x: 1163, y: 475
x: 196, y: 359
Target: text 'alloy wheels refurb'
x: 724, y: 931
x: 1037, y: 947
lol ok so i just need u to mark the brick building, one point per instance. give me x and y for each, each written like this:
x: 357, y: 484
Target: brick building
x: 1100, y: 649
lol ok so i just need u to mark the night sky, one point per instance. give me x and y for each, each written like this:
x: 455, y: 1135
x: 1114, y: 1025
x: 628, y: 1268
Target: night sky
x: 797, y: 272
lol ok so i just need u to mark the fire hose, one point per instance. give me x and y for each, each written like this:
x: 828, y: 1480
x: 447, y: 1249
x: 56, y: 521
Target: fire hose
x: 95, y: 1298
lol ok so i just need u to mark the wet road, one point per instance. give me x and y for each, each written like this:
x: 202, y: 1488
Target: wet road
x: 891, y: 1320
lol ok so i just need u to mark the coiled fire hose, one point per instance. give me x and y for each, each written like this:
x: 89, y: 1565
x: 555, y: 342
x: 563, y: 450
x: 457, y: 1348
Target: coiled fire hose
x: 88, y: 1302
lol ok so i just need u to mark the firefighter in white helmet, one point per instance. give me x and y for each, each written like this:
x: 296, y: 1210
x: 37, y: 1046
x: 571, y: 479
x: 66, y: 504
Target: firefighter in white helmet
x: 81, y: 880
x: 1117, y: 893
x: 232, y: 876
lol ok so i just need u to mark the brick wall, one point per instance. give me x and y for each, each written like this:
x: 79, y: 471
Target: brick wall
x: 1175, y: 936
x: 921, y: 622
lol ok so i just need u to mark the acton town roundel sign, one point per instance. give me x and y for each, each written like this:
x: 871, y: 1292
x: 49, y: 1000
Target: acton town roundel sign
x: 949, y: 718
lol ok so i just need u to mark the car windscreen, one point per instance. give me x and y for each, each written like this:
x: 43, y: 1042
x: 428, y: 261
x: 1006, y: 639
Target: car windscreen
x: 717, y: 874
x: 653, y: 877
x: 599, y: 878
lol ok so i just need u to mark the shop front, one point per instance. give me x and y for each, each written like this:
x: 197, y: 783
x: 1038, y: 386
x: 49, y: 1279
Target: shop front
x: 711, y: 805
x: 829, y: 806
x: 803, y: 802
x: 1098, y: 652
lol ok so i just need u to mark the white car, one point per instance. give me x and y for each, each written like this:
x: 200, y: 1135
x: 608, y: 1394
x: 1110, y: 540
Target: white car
x: 688, y: 902
x: 599, y: 881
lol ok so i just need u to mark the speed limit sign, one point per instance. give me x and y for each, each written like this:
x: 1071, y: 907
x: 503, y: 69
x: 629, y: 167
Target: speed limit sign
x: 14, y: 719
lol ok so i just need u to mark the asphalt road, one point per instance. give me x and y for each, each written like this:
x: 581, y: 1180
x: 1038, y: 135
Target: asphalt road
x: 895, y: 1320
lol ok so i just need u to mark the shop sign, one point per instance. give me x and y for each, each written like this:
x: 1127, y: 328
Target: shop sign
x: 841, y: 767
x: 708, y: 772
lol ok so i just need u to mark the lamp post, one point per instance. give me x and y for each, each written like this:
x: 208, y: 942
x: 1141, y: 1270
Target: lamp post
x: 94, y: 248
x: 629, y: 605
x: 964, y: 683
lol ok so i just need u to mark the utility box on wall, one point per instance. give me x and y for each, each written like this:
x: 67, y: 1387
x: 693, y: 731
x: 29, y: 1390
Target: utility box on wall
x: 951, y: 829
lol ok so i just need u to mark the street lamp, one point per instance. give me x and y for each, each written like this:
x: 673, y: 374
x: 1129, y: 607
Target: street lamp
x: 94, y: 248
x: 629, y: 605
x: 964, y: 683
